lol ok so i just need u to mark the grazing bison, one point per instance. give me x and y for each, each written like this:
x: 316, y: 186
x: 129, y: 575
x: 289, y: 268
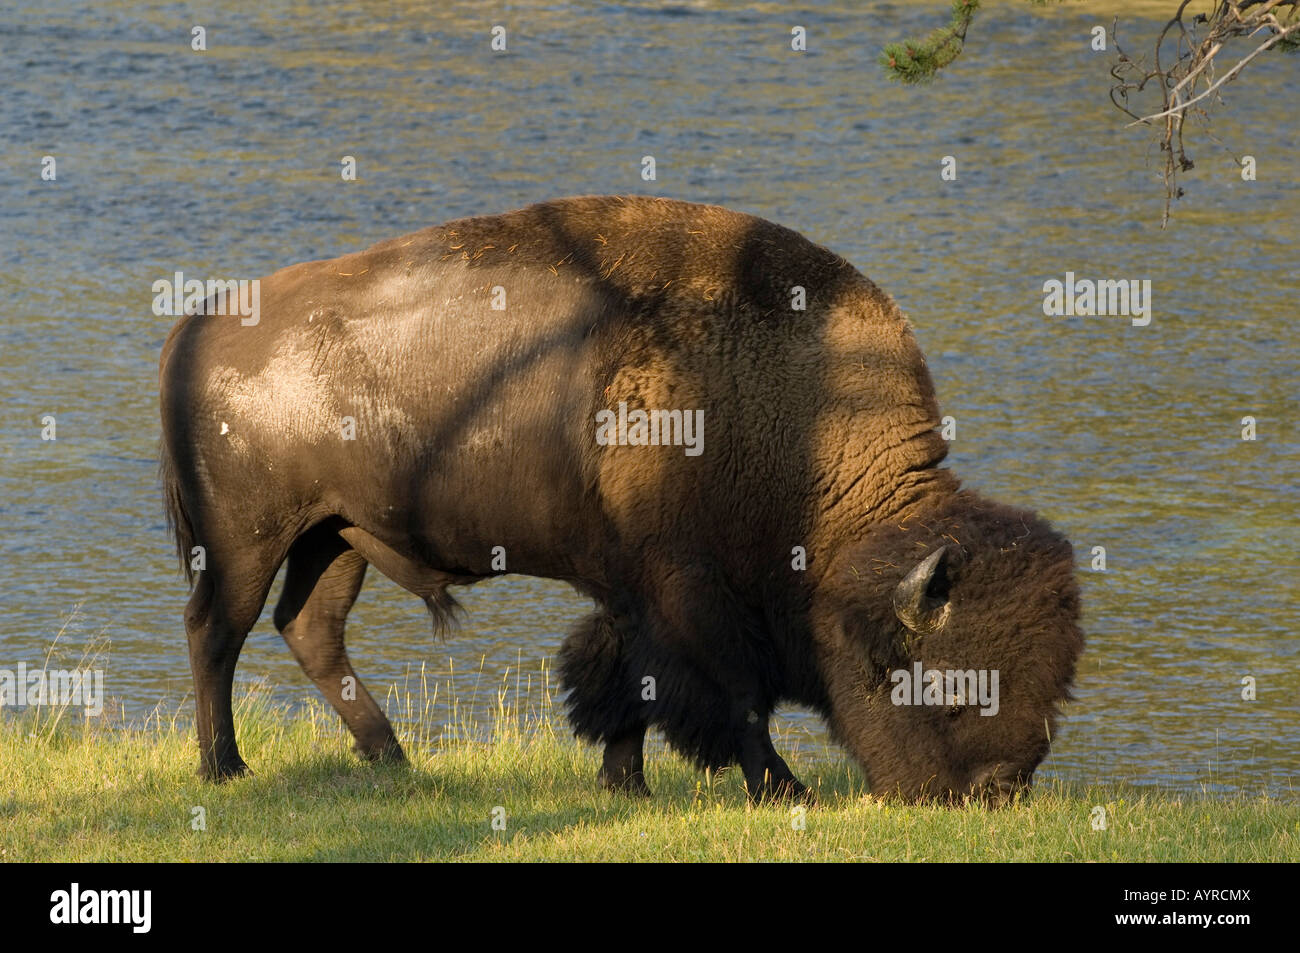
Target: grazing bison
x: 719, y: 431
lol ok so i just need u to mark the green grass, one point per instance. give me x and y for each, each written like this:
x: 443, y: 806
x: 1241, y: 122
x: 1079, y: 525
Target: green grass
x: 73, y: 789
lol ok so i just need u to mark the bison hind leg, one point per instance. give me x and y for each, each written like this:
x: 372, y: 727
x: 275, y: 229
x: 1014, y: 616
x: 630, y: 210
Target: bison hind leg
x: 321, y: 584
x: 604, y: 701
x: 225, y: 603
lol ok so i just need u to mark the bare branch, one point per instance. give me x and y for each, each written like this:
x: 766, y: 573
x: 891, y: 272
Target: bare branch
x: 1193, y: 67
x: 1231, y: 74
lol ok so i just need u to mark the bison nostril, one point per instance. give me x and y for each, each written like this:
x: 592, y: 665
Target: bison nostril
x: 984, y: 778
x: 996, y: 784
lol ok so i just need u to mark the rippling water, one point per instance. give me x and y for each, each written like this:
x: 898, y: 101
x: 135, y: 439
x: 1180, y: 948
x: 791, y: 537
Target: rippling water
x: 227, y: 162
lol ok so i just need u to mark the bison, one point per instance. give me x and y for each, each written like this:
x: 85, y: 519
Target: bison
x: 720, y: 432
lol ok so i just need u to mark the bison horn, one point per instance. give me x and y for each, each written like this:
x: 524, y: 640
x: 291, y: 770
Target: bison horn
x: 921, y: 599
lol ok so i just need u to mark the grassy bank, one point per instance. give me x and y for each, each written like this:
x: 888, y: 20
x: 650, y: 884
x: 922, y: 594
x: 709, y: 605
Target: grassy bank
x: 74, y: 790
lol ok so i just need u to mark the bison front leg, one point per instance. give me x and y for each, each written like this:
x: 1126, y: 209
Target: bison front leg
x: 320, y: 587
x: 623, y: 768
x: 767, y: 776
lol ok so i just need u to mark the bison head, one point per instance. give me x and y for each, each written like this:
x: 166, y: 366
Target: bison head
x: 948, y: 641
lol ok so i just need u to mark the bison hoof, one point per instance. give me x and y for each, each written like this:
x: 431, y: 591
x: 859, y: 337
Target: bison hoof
x: 632, y: 784
x: 220, y: 772
x: 385, y: 752
x: 790, y: 791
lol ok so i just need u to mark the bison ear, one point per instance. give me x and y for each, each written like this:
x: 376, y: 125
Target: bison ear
x: 921, y: 599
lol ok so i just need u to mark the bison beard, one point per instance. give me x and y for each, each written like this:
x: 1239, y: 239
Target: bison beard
x: 471, y: 434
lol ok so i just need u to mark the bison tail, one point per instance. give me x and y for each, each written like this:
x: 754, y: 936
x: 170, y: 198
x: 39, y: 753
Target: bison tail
x: 178, y: 520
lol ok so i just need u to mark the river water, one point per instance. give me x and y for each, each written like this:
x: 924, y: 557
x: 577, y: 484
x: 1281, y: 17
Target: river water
x: 227, y: 162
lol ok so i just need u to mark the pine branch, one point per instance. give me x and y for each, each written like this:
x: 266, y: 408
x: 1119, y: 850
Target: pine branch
x: 917, y: 62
